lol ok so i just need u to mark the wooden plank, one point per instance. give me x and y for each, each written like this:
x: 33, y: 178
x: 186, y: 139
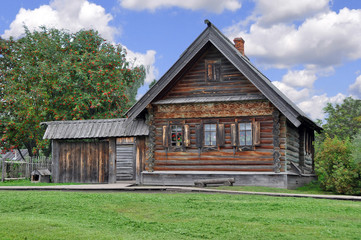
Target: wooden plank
x: 199, y: 136
x: 187, y: 140
x: 220, y: 135
x: 257, y: 133
x: 233, y: 135
x: 83, y: 163
x: 112, y: 161
x: 165, y: 136
x: 55, y: 161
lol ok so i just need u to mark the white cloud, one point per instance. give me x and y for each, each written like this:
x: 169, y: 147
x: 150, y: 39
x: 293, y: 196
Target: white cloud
x: 215, y: 6
x: 148, y: 60
x: 292, y: 93
x: 314, y: 106
x: 72, y: 15
x: 278, y: 11
x: 300, y: 78
x: 355, y: 88
x: 323, y: 40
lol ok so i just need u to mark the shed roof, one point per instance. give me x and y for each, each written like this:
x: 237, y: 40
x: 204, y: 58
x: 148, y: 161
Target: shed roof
x: 100, y: 128
x: 211, y: 35
x: 14, y: 155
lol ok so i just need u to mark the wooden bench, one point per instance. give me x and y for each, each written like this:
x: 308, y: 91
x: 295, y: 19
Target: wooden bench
x: 204, y: 182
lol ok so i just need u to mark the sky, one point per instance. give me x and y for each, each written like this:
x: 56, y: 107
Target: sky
x: 310, y: 50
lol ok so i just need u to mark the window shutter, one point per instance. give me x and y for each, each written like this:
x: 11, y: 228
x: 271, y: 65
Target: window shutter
x: 187, y: 139
x: 233, y: 134
x: 256, y: 133
x: 220, y: 135
x: 199, y: 136
x: 165, y: 136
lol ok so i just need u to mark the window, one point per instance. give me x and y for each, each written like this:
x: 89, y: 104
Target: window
x: 213, y: 70
x: 210, y: 134
x: 245, y: 134
x: 176, y: 135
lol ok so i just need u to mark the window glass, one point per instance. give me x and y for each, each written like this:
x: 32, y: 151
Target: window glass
x: 210, y: 134
x: 176, y: 135
x: 245, y: 134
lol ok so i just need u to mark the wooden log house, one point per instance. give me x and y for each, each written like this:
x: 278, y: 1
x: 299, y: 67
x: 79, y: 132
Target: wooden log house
x: 212, y: 115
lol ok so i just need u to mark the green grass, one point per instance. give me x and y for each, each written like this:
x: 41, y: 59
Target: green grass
x: 26, y: 182
x: 74, y: 215
x: 311, y: 188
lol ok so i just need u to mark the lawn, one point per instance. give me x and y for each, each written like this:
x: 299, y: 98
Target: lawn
x: 74, y: 215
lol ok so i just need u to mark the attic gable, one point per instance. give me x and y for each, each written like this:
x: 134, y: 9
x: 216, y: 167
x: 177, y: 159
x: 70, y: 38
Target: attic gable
x: 211, y: 35
x: 196, y: 82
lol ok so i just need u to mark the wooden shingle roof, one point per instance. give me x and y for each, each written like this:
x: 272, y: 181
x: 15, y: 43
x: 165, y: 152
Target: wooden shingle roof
x: 211, y: 35
x: 100, y: 128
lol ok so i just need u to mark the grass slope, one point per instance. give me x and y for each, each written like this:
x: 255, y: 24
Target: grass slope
x: 74, y: 215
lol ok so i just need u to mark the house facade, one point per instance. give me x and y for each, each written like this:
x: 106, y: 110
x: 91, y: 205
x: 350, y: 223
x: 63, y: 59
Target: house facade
x: 214, y: 114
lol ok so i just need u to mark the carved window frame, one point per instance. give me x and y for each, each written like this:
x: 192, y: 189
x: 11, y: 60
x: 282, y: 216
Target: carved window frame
x: 219, y: 142
x: 255, y: 134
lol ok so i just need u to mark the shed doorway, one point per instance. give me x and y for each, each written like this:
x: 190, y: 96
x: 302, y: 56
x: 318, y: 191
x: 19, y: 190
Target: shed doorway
x: 125, y: 162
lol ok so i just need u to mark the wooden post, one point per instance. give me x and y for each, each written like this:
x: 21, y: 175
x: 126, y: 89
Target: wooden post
x: 112, y: 161
x: 55, y: 151
x: 3, y: 170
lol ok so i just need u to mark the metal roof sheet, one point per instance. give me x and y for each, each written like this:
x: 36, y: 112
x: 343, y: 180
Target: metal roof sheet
x: 100, y: 128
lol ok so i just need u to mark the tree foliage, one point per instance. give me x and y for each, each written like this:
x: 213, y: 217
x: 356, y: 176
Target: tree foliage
x: 54, y: 75
x: 337, y: 169
x: 343, y: 120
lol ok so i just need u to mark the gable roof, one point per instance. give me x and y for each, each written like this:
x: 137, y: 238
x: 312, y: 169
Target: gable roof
x: 100, y: 128
x: 212, y: 35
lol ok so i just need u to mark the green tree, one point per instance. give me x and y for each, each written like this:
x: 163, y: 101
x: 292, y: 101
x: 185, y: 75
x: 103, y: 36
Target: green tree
x: 343, y: 120
x: 152, y: 83
x: 337, y: 169
x: 54, y: 75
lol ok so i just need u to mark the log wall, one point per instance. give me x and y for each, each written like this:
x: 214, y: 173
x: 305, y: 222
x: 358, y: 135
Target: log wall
x: 293, y: 146
x: 194, y: 84
x: 224, y: 158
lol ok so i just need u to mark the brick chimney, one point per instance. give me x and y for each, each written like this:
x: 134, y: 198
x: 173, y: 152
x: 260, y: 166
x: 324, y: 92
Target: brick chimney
x: 239, y: 44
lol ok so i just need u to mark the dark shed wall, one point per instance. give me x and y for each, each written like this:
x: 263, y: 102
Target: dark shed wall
x: 82, y: 162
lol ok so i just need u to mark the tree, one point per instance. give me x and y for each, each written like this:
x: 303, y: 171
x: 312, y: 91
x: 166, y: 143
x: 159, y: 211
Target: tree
x: 152, y: 83
x: 343, y: 120
x: 54, y: 75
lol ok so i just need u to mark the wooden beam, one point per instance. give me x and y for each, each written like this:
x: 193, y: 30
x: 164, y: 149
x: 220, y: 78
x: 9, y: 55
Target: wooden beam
x: 112, y: 161
x: 3, y: 170
x: 55, y: 151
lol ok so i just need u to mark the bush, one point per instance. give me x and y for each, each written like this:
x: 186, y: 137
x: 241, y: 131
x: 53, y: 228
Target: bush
x: 336, y: 166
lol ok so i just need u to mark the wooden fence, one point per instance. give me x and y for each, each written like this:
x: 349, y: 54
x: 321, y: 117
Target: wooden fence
x: 22, y: 169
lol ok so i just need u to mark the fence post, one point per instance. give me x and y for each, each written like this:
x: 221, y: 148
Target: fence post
x: 3, y: 170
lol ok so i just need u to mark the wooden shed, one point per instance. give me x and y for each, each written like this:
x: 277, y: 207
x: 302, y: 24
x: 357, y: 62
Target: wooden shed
x: 97, y: 151
x: 215, y: 115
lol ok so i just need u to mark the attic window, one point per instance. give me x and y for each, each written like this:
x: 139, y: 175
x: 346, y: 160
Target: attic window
x: 213, y: 70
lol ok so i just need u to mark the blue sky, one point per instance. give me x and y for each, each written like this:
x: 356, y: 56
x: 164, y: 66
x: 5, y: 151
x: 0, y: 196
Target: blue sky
x: 311, y: 50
